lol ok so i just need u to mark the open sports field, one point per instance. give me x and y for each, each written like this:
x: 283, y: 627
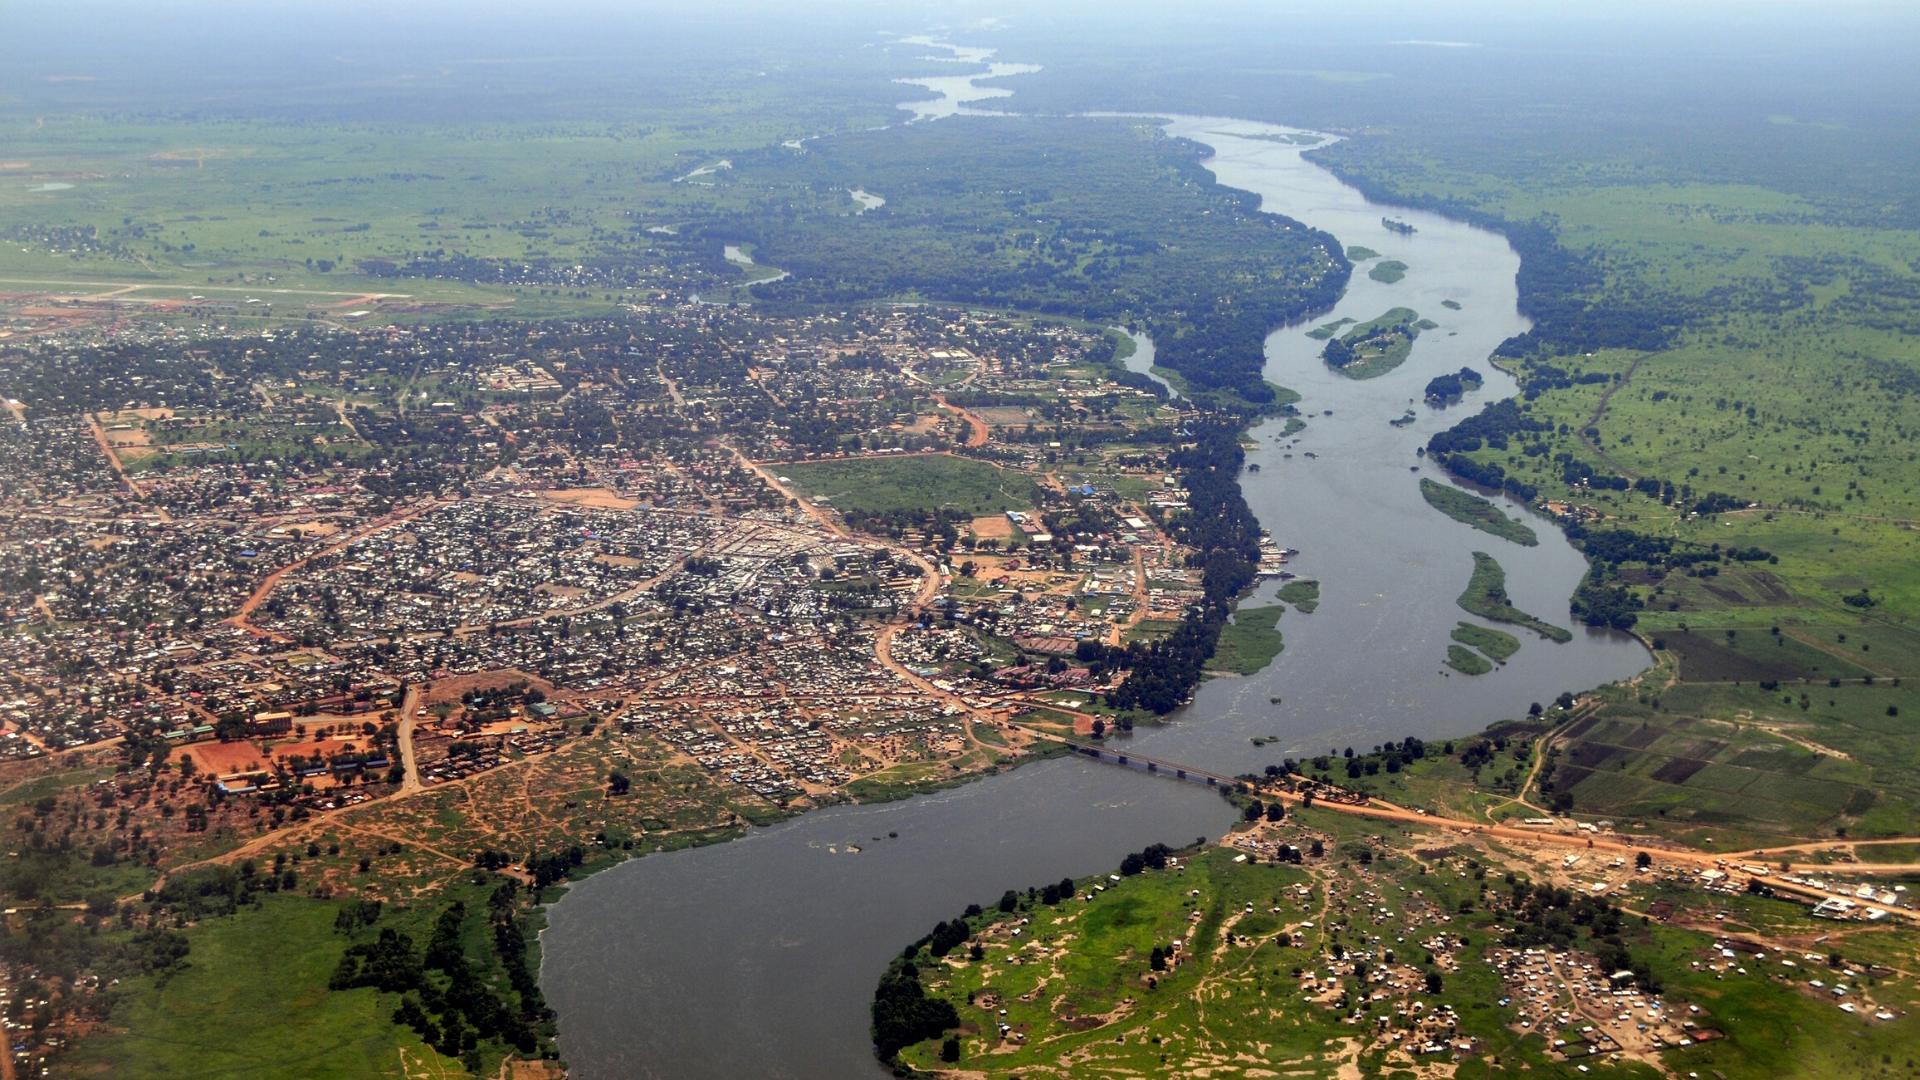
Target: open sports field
x: 923, y: 483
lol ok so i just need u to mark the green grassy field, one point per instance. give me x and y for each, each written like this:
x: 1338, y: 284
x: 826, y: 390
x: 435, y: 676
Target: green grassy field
x: 921, y: 483
x: 1486, y: 596
x: 253, y: 1001
x: 1446, y: 783
x: 1470, y: 509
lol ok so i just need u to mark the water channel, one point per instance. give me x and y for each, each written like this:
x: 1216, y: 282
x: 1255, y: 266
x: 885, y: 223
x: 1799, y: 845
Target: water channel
x: 758, y: 957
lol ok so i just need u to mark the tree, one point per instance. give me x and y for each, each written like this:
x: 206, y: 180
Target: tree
x: 903, y: 1014
x: 618, y: 783
x: 1643, y: 860
x: 1434, y: 981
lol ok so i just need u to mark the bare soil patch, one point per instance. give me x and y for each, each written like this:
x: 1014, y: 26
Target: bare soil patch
x: 598, y: 498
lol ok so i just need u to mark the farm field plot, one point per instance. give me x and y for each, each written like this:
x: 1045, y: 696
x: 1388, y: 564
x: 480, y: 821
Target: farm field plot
x: 1800, y: 761
x: 1710, y: 655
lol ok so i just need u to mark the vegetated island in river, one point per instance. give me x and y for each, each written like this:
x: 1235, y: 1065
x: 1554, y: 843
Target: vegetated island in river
x: 1470, y: 509
x: 1325, y: 331
x: 1303, y: 594
x: 1486, y: 596
x: 1376, y: 346
x: 1388, y: 272
x: 1494, y: 644
x: 1466, y: 661
x: 1498, y: 645
x: 1449, y: 388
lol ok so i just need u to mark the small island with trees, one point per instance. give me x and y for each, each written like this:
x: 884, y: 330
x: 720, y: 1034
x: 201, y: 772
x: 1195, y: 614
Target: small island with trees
x: 1376, y: 346
x: 1447, y: 389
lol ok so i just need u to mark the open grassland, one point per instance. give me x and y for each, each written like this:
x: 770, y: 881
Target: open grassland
x: 294, y: 177
x: 252, y: 1000
x: 921, y: 483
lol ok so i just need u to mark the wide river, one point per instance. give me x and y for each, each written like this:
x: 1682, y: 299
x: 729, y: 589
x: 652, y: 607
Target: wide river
x: 758, y: 957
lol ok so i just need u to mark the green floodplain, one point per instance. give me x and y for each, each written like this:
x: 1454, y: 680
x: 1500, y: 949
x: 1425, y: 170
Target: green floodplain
x: 1249, y: 641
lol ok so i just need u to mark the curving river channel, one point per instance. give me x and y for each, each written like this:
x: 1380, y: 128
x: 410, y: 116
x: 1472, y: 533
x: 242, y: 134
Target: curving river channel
x: 758, y: 957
